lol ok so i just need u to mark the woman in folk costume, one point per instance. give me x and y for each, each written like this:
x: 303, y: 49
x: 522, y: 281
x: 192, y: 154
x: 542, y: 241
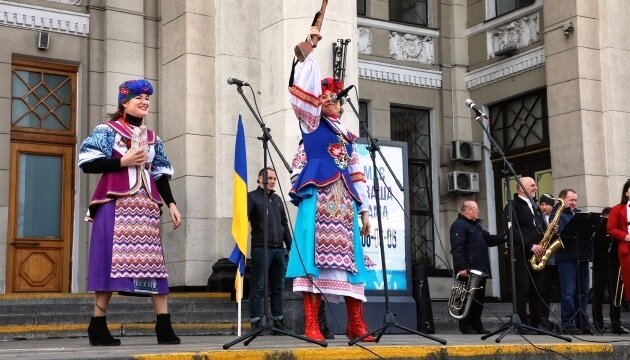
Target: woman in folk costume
x: 330, y: 192
x: 618, y: 227
x: 125, y: 248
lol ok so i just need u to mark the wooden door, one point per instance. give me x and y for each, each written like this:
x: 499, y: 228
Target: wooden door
x: 40, y: 217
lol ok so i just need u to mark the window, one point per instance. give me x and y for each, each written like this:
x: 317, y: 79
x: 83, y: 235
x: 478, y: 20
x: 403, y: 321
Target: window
x: 413, y: 127
x: 505, y: 6
x: 520, y: 124
x: 43, y: 98
x: 363, y: 113
x: 409, y: 11
x: 361, y: 7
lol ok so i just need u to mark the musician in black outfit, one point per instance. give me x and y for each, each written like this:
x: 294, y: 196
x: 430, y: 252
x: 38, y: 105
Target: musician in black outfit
x: 527, y: 230
x: 469, y: 247
x: 605, y: 273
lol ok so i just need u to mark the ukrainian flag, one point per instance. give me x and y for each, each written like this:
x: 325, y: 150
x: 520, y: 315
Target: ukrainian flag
x: 240, y: 225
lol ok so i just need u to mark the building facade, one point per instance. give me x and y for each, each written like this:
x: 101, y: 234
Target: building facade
x: 550, y: 75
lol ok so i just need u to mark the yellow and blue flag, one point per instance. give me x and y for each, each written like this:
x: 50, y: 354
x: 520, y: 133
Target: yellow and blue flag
x: 240, y: 225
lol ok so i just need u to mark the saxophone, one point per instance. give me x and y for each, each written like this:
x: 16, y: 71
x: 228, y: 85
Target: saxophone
x: 539, y: 262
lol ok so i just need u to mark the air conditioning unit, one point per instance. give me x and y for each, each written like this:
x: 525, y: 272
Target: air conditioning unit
x: 465, y: 150
x: 462, y: 181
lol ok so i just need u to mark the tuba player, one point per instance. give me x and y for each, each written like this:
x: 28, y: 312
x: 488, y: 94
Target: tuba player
x: 469, y: 247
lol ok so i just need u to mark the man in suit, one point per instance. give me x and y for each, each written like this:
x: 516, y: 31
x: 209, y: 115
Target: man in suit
x: 527, y: 229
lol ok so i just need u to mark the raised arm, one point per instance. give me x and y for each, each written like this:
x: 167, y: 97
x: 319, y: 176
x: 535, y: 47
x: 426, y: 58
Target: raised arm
x: 305, y: 92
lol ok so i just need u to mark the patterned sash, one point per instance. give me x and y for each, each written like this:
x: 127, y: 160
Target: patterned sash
x: 137, y: 249
x: 334, y: 247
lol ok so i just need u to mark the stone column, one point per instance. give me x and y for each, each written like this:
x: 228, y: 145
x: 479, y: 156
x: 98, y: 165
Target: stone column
x: 615, y: 77
x: 188, y: 129
x: 574, y: 95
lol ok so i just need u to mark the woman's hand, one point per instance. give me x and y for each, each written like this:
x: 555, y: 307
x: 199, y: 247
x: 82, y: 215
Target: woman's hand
x: 365, y: 223
x: 134, y: 158
x: 627, y: 238
x: 314, y: 36
x: 176, y: 218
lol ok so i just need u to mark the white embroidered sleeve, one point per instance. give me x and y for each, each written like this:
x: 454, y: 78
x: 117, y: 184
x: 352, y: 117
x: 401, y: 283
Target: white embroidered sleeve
x: 358, y: 178
x: 305, y: 93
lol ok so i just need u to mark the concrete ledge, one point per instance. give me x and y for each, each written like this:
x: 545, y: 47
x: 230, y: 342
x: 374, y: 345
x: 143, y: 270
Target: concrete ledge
x: 510, y: 351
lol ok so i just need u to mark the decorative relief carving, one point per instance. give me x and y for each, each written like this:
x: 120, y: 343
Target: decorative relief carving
x: 516, y: 34
x: 67, y: 2
x: 364, y: 42
x: 410, y: 47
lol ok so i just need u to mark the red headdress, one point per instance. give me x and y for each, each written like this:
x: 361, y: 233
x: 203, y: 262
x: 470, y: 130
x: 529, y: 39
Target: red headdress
x: 332, y: 85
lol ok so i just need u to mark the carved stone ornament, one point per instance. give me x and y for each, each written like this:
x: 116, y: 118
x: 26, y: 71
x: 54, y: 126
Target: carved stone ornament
x: 516, y: 34
x: 364, y: 41
x: 410, y: 47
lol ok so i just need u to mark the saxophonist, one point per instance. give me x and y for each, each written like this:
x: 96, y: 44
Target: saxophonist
x: 469, y: 247
x: 527, y: 228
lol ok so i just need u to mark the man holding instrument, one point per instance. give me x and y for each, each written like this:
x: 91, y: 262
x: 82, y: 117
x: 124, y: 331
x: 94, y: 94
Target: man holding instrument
x: 469, y: 247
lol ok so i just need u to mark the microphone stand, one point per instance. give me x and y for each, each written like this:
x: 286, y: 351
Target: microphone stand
x: 390, y: 318
x: 514, y: 324
x: 267, y: 327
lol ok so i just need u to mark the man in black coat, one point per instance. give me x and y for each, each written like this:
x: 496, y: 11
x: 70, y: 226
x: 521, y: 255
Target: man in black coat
x: 527, y: 229
x: 278, y: 236
x: 469, y: 247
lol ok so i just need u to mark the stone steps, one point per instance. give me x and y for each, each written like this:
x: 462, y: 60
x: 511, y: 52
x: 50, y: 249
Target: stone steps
x: 31, y: 316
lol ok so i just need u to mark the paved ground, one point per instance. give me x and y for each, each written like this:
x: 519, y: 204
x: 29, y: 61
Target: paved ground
x: 390, y: 346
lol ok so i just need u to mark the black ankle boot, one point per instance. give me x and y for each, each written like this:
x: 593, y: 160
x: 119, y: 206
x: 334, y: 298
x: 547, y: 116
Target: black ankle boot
x: 164, y: 330
x: 98, y: 333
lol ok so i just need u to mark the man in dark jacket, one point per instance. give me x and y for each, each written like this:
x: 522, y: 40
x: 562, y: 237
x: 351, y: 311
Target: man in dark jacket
x: 527, y: 230
x: 278, y: 236
x: 469, y: 247
x: 573, y: 271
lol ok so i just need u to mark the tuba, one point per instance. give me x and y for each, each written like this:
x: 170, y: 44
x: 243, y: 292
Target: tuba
x: 539, y: 262
x: 462, y: 293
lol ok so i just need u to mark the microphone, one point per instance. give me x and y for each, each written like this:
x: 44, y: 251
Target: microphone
x: 471, y: 104
x: 342, y: 94
x: 235, y: 81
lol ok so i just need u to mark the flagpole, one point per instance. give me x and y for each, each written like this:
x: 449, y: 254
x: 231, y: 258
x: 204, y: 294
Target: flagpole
x: 238, y: 331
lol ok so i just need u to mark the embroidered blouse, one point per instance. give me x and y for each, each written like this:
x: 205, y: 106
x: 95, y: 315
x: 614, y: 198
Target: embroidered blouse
x: 329, y: 148
x: 111, y: 140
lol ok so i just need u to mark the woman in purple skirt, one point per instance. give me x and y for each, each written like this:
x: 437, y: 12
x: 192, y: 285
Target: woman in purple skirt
x: 125, y: 248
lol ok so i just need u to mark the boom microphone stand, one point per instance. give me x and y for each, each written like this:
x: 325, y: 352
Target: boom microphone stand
x: 514, y: 324
x: 390, y: 318
x: 267, y: 327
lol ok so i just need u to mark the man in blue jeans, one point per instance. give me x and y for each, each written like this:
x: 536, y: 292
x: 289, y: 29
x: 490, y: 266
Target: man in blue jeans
x: 573, y: 273
x: 278, y: 236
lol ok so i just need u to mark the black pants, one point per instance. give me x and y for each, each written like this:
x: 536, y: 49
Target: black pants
x: 603, y: 280
x: 527, y: 285
x: 473, y: 320
x: 548, y: 278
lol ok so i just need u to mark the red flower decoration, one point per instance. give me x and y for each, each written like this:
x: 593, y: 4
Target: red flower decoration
x: 124, y: 91
x: 336, y: 150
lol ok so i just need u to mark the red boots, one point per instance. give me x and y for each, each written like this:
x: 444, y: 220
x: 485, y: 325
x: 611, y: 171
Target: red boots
x: 356, y: 324
x: 311, y: 309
